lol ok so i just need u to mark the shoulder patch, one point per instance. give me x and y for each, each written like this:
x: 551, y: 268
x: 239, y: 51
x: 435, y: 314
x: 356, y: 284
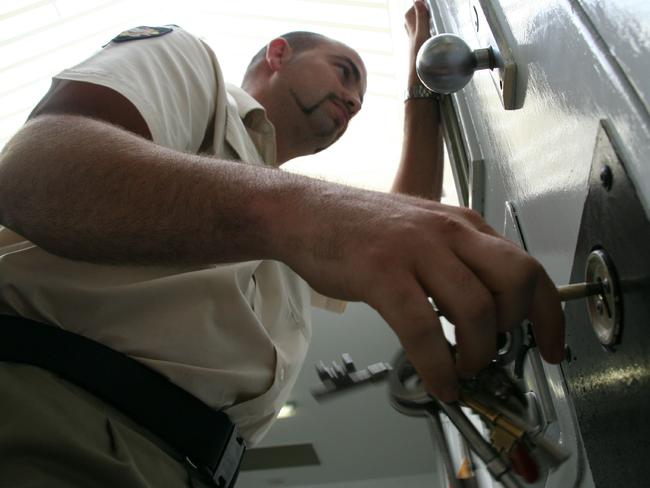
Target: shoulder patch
x: 141, y: 32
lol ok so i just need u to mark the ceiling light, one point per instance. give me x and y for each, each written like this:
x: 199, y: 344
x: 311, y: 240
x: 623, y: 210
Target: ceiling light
x: 287, y: 410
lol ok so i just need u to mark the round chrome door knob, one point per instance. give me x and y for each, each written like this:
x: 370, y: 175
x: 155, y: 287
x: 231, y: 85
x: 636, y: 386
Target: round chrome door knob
x: 445, y: 63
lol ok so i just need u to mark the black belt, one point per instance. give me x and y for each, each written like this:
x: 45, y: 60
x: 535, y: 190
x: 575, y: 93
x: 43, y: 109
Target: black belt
x: 205, y: 436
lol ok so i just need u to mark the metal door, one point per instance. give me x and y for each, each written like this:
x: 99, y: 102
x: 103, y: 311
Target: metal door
x: 579, y: 101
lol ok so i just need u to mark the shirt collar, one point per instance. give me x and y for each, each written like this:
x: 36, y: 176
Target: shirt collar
x: 259, y: 127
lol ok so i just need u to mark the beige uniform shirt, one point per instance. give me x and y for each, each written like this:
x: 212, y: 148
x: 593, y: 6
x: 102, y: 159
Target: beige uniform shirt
x: 233, y: 335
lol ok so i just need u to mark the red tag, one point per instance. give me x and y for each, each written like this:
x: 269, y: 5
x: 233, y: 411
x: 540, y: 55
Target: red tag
x: 523, y: 464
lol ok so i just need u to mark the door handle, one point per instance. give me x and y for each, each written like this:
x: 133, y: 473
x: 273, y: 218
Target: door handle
x: 445, y: 63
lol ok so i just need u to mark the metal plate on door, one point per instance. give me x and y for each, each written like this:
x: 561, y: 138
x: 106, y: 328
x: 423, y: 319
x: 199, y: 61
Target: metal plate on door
x: 491, y: 33
x: 610, y: 387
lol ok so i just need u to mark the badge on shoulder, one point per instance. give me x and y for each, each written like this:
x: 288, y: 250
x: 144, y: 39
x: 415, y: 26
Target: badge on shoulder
x: 141, y: 32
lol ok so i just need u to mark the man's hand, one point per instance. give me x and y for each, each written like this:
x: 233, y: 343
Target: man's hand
x: 416, y: 22
x: 394, y: 252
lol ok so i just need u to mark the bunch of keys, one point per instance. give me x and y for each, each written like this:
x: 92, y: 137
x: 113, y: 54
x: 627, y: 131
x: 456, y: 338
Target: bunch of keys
x: 515, y: 446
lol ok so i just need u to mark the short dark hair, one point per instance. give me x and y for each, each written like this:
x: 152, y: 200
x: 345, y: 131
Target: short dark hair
x: 298, y: 41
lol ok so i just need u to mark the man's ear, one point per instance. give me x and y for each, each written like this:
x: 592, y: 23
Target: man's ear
x: 278, y: 52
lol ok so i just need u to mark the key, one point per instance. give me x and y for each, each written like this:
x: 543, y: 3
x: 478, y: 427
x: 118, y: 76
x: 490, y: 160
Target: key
x: 508, y: 439
x: 528, y: 448
x: 341, y: 377
x: 504, y: 434
x: 513, y: 426
x: 493, y: 386
x: 544, y: 451
x: 496, y: 465
x: 576, y: 291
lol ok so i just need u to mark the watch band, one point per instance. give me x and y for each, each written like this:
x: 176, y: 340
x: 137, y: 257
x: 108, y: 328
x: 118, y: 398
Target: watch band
x: 418, y: 90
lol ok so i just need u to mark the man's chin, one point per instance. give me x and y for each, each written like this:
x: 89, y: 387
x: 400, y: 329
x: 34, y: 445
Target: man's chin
x: 328, y: 142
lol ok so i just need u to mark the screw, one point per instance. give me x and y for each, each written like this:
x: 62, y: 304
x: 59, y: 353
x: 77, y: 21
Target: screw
x: 600, y: 306
x: 567, y: 354
x: 606, y: 177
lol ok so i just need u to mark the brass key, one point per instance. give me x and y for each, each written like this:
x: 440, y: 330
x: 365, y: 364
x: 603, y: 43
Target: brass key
x: 576, y: 291
x: 504, y: 434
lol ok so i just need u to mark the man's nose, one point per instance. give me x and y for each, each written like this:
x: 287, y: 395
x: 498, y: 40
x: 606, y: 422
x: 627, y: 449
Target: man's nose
x: 353, y: 103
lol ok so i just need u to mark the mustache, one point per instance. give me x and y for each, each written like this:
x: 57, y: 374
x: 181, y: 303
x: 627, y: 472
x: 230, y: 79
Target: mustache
x: 309, y: 109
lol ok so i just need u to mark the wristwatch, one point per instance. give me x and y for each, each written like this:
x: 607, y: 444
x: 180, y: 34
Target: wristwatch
x: 418, y: 90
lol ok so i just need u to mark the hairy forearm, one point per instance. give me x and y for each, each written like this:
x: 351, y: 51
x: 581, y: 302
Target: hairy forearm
x: 88, y: 190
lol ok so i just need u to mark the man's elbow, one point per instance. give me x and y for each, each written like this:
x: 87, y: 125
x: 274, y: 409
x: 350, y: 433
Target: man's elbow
x: 21, y: 161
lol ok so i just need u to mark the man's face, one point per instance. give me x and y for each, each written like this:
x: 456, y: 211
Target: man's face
x: 326, y: 86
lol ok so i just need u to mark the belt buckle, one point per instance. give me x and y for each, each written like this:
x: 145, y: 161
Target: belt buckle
x: 225, y: 473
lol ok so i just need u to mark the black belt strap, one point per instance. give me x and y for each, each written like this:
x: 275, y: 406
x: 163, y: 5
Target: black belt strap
x: 205, y: 436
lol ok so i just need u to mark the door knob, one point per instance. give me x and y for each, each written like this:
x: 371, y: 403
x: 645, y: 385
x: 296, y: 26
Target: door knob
x: 445, y: 63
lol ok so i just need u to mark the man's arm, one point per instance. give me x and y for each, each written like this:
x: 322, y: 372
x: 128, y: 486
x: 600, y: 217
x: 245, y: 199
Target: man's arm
x: 86, y: 189
x: 90, y: 190
x: 421, y: 164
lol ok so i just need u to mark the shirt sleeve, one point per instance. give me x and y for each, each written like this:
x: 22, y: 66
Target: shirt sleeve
x: 326, y: 303
x: 170, y: 79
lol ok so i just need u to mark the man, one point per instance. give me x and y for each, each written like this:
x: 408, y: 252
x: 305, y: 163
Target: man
x: 145, y: 235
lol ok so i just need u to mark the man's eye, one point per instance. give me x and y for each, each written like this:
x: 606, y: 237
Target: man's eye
x: 345, y: 71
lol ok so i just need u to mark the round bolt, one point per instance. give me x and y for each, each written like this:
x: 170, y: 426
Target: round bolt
x: 600, y: 306
x: 567, y: 354
x: 606, y: 177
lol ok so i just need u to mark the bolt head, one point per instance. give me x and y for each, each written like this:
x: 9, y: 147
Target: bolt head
x: 567, y: 354
x: 606, y: 177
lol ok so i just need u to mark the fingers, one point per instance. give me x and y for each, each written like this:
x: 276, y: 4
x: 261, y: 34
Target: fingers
x: 548, y: 322
x: 520, y: 287
x: 469, y: 305
x: 411, y: 316
x: 485, y: 283
x: 422, y: 18
x: 410, y: 20
x: 416, y: 20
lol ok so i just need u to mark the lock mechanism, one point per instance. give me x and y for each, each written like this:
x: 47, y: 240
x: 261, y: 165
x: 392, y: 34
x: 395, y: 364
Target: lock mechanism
x: 605, y: 309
